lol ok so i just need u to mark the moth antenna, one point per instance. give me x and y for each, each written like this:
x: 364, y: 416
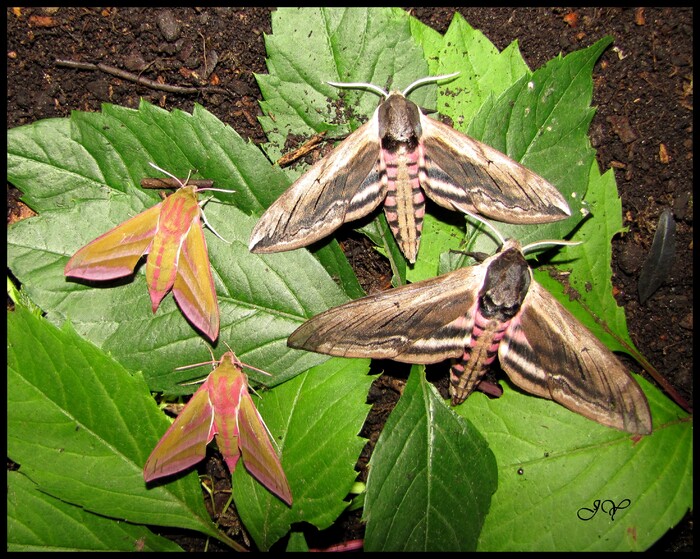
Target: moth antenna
x: 429, y: 79
x: 255, y: 369
x: 212, y: 354
x: 211, y: 189
x: 493, y: 228
x: 189, y: 175
x: 548, y: 242
x: 360, y: 85
x: 526, y: 248
x: 191, y: 366
x: 168, y: 173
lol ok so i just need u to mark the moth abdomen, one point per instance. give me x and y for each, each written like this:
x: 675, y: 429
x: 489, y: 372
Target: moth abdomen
x: 404, y: 205
x: 479, y: 354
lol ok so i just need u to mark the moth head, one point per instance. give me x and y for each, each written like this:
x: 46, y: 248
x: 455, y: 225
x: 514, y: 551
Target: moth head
x: 506, y: 283
x: 399, y: 118
x: 399, y: 122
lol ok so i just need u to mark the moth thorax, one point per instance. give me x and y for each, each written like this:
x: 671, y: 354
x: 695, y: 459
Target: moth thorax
x: 399, y: 123
x: 505, y: 286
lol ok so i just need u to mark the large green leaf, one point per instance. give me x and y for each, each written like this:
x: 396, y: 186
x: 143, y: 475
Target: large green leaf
x: 36, y: 521
x: 553, y: 463
x: 484, y: 72
x: 80, y: 426
x: 431, y: 477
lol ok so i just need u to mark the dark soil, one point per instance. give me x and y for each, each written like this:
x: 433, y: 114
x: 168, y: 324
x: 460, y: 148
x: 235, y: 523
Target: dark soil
x: 643, y: 129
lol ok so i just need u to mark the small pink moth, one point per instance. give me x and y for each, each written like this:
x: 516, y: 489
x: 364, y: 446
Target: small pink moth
x: 172, y: 235
x: 221, y: 407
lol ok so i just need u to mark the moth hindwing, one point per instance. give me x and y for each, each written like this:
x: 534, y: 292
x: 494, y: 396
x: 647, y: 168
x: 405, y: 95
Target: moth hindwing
x: 475, y: 314
x: 398, y: 158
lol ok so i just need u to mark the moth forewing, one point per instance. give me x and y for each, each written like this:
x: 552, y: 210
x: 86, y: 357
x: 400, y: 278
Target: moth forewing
x: 185, y: 442
x: 465, y: 174
x: 424, y: 322
x: 547, y: 352
x: 324, y: 197
x: 259, y: 455
x: 399, y: 157
x: 115, y: 253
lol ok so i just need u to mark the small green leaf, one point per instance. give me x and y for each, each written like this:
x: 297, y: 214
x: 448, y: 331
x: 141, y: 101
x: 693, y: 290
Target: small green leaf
x: 431, y: 477
x: 316, y: 418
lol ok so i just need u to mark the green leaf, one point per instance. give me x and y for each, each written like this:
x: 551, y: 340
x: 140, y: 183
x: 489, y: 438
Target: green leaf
x: 589, y: 265
x: 483, y: 71
x: 37, y: 521
x: 320, y: 412
x: 297, y: 542
x: 44, y: 153
x: 311, y: 46
x: 431, y: 477
x: 81, y: 428
x: 553, y: 462
x: 262, y: 298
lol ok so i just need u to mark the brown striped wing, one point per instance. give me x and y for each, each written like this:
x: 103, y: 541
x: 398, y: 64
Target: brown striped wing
x: 343, y: 186
x: 465, y: 174
x: 547, y: 352
x: 424, y: 322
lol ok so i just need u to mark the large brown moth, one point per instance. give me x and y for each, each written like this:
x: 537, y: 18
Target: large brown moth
x: 399, y: 157
x: 474, y: 314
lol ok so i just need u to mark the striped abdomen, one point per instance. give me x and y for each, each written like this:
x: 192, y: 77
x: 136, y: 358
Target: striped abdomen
x: 404, y: 204
x: 466, y: 372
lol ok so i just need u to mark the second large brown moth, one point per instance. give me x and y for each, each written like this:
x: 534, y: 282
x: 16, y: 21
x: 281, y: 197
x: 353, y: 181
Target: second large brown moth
x: 478, y: 313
